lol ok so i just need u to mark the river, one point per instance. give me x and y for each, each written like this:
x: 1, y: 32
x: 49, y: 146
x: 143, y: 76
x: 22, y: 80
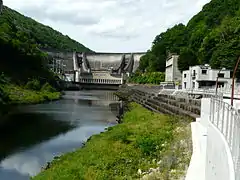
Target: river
x: 35, y: 134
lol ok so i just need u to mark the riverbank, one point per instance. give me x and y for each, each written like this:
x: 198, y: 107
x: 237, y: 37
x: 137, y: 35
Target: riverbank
x: 20, y: 95
x: 17, y: 95
x: 146, y: 144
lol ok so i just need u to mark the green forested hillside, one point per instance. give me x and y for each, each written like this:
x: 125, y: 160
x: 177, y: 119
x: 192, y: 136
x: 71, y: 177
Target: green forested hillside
x: 21, y: 39
x: 22, y: 61
x: 15, y: 24
x: 212, y: 36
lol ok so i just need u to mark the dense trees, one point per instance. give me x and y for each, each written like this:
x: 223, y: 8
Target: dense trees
x: 212, y: 36
x: 21, y: 57
x: 170, y: 41
x: 24, y: 28
x: 21, y: 42
x: 187, y: 58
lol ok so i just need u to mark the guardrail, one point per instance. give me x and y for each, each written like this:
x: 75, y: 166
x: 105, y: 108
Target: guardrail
x: 229, y: 90
x: 213, y: 91
x: 227, y: 120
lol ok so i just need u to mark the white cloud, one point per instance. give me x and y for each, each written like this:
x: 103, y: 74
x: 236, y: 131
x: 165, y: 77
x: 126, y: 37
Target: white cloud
x: 110, y: 25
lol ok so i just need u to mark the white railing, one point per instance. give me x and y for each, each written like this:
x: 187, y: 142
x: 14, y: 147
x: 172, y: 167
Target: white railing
x: 206, y: 93
x: 227, y: 120
x: 100, y: 81
x: 229, y: 90
x: 211, y: 89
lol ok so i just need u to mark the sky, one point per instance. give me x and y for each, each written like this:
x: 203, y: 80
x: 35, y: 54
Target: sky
x: 110, y: 25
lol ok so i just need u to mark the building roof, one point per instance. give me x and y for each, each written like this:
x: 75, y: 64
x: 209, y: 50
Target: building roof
x: 208, y: 67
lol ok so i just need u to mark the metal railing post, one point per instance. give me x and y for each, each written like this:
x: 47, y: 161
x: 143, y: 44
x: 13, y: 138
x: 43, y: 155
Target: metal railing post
x: 223, y: 118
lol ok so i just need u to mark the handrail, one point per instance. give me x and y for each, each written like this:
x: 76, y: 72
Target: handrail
x: 227, y: 119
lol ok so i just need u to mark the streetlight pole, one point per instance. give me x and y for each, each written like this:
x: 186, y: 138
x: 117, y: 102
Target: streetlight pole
x: 233, y: 80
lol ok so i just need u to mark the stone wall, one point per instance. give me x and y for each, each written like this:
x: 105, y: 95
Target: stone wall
x: 167, y: 104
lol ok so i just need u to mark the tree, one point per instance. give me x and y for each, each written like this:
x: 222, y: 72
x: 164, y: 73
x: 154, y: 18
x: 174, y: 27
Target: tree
x: 211, y: 36
x: 170, y: 41
x: 226, y: 54
x: 187, y: 58
x: 22, y: 40
x: 29, y: 31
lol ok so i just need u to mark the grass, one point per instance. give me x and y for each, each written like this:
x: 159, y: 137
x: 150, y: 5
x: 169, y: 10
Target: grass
x: 138, y: 144
x: 21, y: 95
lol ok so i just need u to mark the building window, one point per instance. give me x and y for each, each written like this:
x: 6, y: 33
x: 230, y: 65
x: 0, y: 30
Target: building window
x: 194, y: 73
x: 193, y: 85
x: 204, y: 71
x: 221, y: 75
x: 185, y: 75
x: 185, y: 85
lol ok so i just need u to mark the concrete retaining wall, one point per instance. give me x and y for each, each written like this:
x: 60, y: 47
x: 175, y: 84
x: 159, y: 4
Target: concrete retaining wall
x: 168, y: 104
x: 215, y: 151
x: 196, y: 170
x: 219, y: 163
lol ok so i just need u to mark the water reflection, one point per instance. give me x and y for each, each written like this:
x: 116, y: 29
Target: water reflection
x: 37, y: 133
x: 25, y: 130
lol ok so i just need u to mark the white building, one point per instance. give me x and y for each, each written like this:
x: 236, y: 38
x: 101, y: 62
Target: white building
x: 203, y: 77
x: 172, y: 73
x: 69, y: 77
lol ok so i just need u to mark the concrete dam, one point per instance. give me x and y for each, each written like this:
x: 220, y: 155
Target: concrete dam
x: 96, y: 70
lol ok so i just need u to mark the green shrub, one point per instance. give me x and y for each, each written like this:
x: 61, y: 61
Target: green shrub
x: 147, y: 78
x: 3, y: 94
x: 122, y: 134
x: 147, y: 144
x: 21, y: 95
x: 33, y: 85
x: 47, y: 87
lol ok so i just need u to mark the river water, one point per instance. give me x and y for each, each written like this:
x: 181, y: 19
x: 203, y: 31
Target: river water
x: 35, y: 134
